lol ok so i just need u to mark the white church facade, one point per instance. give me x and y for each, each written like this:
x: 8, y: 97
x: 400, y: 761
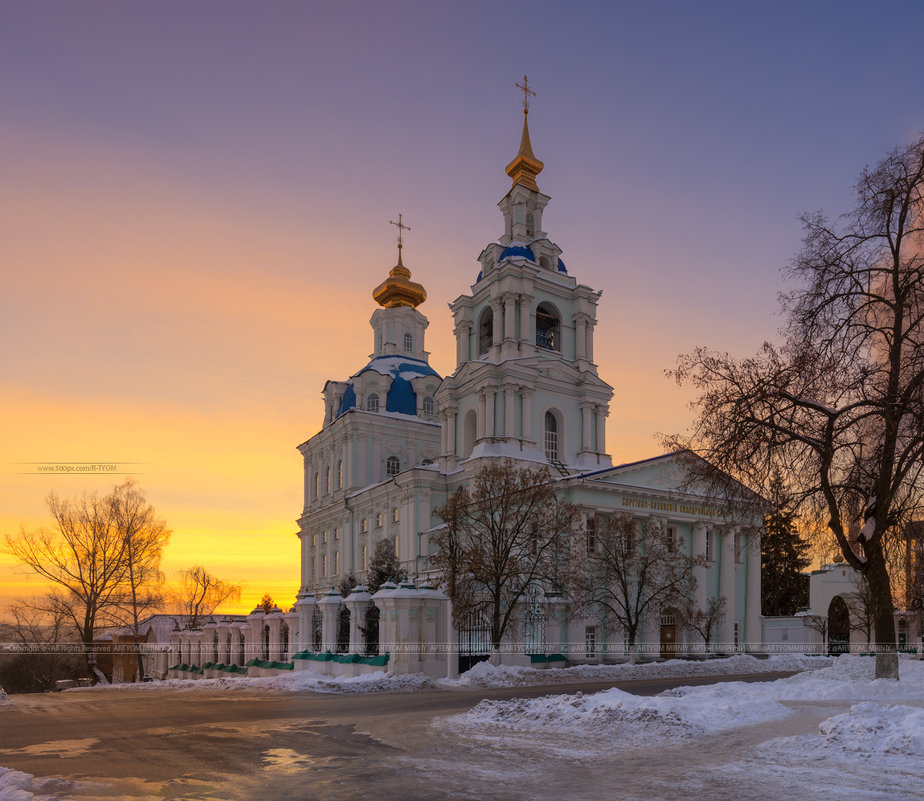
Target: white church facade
x: 398, y: 439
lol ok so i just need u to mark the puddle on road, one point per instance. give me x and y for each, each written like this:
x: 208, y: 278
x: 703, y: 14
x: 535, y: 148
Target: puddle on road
x: 66, y: 749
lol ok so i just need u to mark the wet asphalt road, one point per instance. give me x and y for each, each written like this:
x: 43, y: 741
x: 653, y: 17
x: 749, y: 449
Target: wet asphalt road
x: 241, y: 745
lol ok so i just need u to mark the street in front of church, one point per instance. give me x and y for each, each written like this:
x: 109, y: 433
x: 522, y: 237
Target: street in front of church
x: 201, y: 743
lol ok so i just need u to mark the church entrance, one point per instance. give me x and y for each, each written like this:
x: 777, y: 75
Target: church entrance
x: 668, y: 634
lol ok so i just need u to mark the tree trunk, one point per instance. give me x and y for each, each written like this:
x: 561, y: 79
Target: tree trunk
x: 883, y: 619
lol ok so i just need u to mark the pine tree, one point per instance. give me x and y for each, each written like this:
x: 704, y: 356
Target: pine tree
x: 783, y: 555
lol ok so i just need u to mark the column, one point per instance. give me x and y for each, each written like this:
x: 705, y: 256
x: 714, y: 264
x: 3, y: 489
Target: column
x: 358, y: 602
x: 524, y: 317
x: 580, y: 336
x: 497, y: 309
x: 509, y: 397
x: 510, y: 301
x: 462, y: 332
x: 489, y: 395
x: 586, y: 429
x: 527, y: 393
x: 451, y: 431
x: 330, y: 620
x: 699, y: 571
x: 589, y: 347
x: 274, y: 621
x: 601, y: 428
x: 727, y: 587
x: 753, y: 633
x: 304, y: 608
x: 483, y: 414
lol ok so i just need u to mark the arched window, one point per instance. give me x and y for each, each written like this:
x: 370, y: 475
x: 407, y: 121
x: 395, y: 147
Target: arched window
x: 339, y: 473
x: 392, y: 466
x: 408, y: 343
x: 327, y: 481
x: 469, y: 432
x: 485, y: 331
x: 551, y: 437
x: 428, y: 406
x: 372, y: 402
x: 530, y: 225
x: 548, y: 327
x: 317, y: 484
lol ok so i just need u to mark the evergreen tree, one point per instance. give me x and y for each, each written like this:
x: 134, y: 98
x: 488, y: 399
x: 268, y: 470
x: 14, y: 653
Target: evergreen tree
x: 783, y: 555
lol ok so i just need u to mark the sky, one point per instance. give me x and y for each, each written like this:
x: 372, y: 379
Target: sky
x: 195, y: 197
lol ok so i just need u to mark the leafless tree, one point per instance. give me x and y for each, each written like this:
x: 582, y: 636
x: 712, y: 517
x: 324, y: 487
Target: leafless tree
x: 861, y: 605
x: 36, y: 658
x: 838, y: 408
x: 198, y: 594
x: 818, y: 623
x: 631, y: 575
x: 502, y: 538
x: 706, y: 621
x: 101, y: 558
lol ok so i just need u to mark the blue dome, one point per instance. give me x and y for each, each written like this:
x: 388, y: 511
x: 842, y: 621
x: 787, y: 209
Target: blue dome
x: 401, y: 397
x: 517, y: 250
x: 561, y: 267
x: 480, y: 276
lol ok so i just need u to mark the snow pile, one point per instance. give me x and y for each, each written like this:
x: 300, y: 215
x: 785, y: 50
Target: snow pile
x: 18, y: 786
x: 5, y: 700
x: 870, y: 728
x: 484, y: 674
x: 621, y: 712
x: 304, y: 680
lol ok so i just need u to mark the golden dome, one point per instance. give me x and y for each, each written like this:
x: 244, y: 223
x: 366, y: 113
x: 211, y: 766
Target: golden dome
x: 398, y: 289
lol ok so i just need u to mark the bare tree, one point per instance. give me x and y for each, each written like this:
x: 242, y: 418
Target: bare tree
x: 101, y: 558
x: 145, y: 537
x: 501, y: 540
x: 631, y: 575
x: 818, y: 623
x: 198, y: 594
x: 35, y: 660
x: 706, y: 621
x: 839, y: 407
x: 861, y: 605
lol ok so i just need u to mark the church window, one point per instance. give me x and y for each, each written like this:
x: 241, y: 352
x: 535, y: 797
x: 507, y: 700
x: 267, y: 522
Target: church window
x: 324, y: 565
x: 392, y: 466
x: 428, y: 406
x: 327, y: 481
x: 590, y: 641
x: 551, y: 437
x: 709, y: 555
x: 530, y: 225
x: 339, y: 473
x: 396, y: 544
x: 485, y: 331
x: 336, y: 532
x: 671, y: 537
x: 408, y: 343
x: 317, y: 484
x: 548, y: 327
x: 364, y: 525
x: 591, y: 536
x: 395, y: 515
x: 336, y: 562
x: 378, y: 520
x: 324, y: 536
x: 364, y: 557
x: 372, y: 402
x: 314, y: 540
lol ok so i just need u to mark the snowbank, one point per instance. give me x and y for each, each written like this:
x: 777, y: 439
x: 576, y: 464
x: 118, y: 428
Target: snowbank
x: 484, y: 674
x: 18, y: 786
x: 292, y: 682
x: 704, y: 709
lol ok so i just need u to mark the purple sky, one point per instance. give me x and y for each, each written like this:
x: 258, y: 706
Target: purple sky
x: 196, y: 199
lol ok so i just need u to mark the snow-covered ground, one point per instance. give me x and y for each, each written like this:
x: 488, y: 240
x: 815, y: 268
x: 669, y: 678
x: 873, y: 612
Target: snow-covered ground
x: 868, y: 745
x: 484, y: 674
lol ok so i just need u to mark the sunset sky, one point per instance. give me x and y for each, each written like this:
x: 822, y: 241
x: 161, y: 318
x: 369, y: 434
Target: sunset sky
x: 194, y: 207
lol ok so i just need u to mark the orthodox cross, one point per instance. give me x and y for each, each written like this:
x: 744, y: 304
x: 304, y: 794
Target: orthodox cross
x: 525, y: 88
x: 401, y: 229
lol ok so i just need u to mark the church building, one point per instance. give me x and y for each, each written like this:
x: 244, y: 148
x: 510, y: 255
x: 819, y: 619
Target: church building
x: 398, y: 438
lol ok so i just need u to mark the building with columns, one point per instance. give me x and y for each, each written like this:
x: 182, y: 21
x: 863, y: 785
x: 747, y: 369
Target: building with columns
x: 398, y: 439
